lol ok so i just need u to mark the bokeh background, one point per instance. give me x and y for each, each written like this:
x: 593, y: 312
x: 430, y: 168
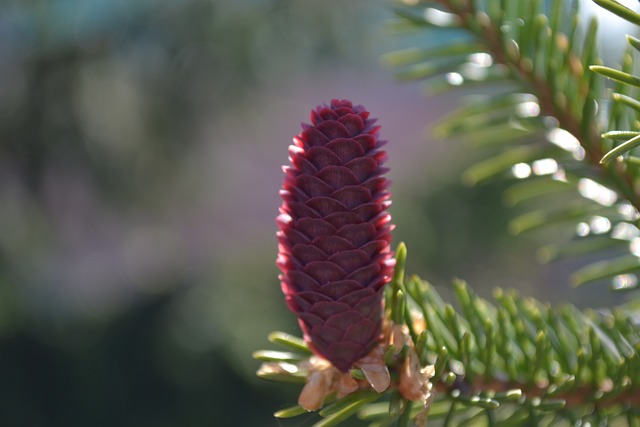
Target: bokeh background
x: 140, y: 153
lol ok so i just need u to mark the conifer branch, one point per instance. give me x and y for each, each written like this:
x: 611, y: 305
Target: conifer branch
x: 518, y: 353
x: 552, y: 102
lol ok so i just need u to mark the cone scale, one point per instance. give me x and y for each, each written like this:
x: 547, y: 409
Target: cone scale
x: 335, y: 233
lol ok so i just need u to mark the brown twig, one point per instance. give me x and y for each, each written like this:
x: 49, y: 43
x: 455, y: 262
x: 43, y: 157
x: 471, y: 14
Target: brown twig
x: 577, y: 396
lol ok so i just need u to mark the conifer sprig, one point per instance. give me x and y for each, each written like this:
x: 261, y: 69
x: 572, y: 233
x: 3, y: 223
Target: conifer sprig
x: 544, y: 57
x: 549, y: 123
x: 507, y: 360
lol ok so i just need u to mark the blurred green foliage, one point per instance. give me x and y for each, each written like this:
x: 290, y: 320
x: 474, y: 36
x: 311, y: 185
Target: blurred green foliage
x: 110, y: 310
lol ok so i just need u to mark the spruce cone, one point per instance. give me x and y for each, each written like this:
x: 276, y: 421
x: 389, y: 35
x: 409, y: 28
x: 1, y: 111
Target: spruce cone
x: 335, y: 232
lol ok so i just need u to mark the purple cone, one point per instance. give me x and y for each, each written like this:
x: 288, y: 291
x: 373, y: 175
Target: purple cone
x: 335, y: 232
